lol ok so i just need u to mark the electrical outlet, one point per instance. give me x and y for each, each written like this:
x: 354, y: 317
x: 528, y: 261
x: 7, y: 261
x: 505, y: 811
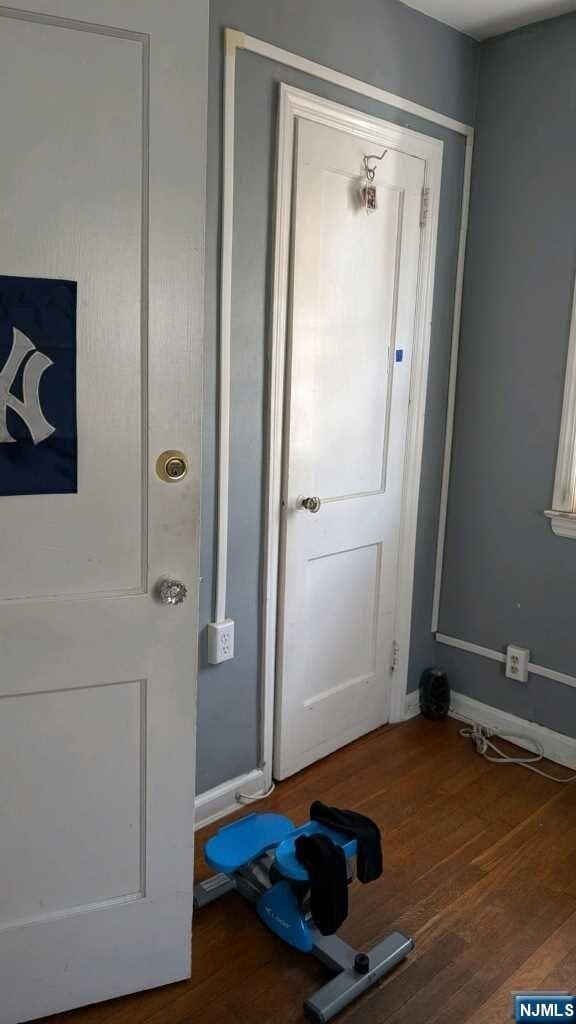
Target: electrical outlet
x: 517, y: 659
x: 220, y: 641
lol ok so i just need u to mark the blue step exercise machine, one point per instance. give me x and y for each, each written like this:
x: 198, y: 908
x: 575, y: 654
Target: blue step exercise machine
x: 255, y: 857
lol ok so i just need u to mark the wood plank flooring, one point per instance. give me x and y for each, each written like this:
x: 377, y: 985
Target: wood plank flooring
x: 480, y: 868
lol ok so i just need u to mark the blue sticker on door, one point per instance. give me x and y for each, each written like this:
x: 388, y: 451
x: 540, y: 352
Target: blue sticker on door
x: 38, y: 440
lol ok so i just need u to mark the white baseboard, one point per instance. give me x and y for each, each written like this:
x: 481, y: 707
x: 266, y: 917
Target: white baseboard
x: 218, y: 802
x: 556, y: 746
x: 412, y: 706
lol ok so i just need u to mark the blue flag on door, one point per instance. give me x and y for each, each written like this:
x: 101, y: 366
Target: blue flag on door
x: 38, y: 441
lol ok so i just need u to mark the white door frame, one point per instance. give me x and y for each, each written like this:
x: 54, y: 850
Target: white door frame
x: 295, y: 103
x: 234, y: 42
x: 224, y: 799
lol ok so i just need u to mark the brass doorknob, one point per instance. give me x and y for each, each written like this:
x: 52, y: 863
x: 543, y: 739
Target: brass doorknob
x: 310, y: 504
x: 171, y: 591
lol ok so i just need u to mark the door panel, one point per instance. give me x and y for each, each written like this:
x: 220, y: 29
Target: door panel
x: 52, y: 824
x: 73, y: 169
x: 102, y: 115
x: 351, y: 654
x: 351, y: 326
x: 348, y: 364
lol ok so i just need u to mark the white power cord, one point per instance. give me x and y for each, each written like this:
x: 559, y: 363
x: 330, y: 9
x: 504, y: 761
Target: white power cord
x: 481, y: 738
x: 245, y: 798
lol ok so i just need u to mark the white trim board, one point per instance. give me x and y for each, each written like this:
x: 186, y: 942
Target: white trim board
x: 233, y: 41
x: 563, y: 514
x: 556, y: 746
x: 452, y: 380
x: 487, y: 652
x: 224, y: 369
x: 294, y: 104
x: 412, y: 705
x: 563, y: 523
x: 220, y: 801
x: 240, y: 41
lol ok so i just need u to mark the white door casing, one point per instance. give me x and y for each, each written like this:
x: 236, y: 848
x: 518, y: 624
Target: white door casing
x: 102, y: 118
x: 357, y: 317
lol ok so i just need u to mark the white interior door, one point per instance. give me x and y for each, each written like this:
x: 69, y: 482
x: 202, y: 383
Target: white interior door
x: 350, y: 326
x: 102, y: 121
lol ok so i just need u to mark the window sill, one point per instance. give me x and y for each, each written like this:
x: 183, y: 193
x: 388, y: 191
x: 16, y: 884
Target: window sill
x: 563, y: 523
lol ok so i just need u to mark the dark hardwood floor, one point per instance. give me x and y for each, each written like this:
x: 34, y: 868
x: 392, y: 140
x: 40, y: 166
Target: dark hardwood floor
x: 480, y: 868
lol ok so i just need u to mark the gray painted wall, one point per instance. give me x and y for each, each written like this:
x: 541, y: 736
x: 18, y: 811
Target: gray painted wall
x: 394, y: 47
x: 507, y: 578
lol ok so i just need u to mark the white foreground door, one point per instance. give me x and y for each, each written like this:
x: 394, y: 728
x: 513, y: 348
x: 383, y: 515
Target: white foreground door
x: 101, y: 224
x: 351, y: 325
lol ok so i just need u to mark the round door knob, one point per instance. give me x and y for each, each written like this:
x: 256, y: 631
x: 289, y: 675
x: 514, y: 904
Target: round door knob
x: 310, y: 504
x: 171, y: 591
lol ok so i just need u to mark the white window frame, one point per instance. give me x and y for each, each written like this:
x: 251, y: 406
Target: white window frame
x: 563, y: 513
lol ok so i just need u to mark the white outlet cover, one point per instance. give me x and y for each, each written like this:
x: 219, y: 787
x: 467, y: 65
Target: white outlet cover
x: 517, y: 662
x: 220, y: 641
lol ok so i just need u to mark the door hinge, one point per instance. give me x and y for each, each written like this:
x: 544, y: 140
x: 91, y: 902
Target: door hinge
x: 424, y: 207
x: 395, y: 654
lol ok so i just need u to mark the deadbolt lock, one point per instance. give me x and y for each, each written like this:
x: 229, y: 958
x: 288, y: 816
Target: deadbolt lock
x: 172, y: 466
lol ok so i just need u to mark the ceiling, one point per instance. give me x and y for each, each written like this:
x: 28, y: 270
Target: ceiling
x: 484, y: 18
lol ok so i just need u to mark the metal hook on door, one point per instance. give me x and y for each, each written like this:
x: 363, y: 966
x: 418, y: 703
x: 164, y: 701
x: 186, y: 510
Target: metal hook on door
x: 370, y: 172
x: 367, y: 187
